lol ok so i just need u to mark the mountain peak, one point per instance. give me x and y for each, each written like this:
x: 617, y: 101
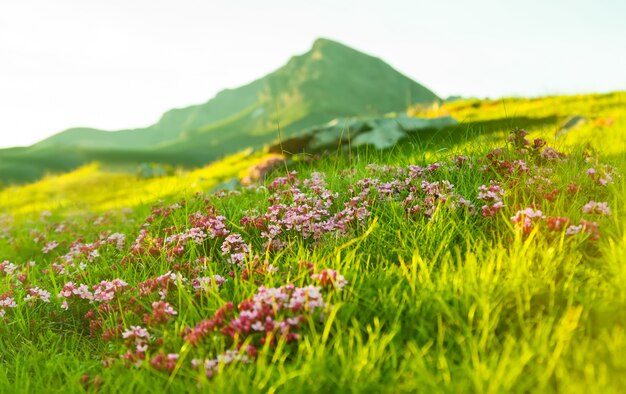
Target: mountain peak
x: 322, y: 42
x: 323, y: 47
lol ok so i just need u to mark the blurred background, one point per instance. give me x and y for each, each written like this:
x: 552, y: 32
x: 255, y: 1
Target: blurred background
x: 122, y: 64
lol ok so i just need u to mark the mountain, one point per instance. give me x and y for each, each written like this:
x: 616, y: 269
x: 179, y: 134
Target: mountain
x: 331, y: 80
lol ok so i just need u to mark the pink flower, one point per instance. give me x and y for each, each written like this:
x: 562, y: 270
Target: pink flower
x: 117, y: 239
x: 590, y: 228
x: 161, y: 313
x: 8, y: 267
x: 137, y: 336
x: 105, y: 291
x: 329, y: 277
x: 50, y: 246
x: 556, y: 223
x: 206, y: 282
x: 492, y: 193
x: 493, y: 210
x: 6, y: 301
x: 550, y: 154
x: 573, y: 230
x: 236, y: 247
x: 524, y: 219
x: 35, y: 293
x: 597, y: 208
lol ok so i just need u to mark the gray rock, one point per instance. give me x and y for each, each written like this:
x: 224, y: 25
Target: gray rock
x: 381, y: 132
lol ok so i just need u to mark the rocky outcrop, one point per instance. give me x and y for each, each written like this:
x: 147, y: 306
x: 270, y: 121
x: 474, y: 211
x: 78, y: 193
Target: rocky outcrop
x: 381, y: 133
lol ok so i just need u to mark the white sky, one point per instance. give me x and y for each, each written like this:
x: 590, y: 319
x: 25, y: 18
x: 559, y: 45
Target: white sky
x: 115, y: 64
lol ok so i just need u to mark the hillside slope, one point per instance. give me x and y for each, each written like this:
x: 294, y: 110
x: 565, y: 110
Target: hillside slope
x: 331, y: 80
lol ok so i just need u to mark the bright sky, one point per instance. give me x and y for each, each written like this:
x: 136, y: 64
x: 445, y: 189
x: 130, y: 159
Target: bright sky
x: 122, y: 63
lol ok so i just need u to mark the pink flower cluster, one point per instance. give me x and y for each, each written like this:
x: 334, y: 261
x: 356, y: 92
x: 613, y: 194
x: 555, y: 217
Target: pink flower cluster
x: 432, y: 195
x: 305, y: 211
x: 49, y: 247
x: 492, y: 195
x: 161, y: 284
x: 161, y: 313
x: 137, y: 340
x: 603, y: 176
x: 7, y: 267
x: 597, y: 208
x: 211, y: 366
x: 163, y: 362
x: 556, y: 223
x: 6, y: 301
x: 236, y: 248
x: 330, y: 278
x: 525, y: 219
x: 585, y: 226
x: 70, y: 290
x: 203, y: 283
x: 117, y: 239
x: 275, y: 312
x: 105, y: 291
x: 35, y: 293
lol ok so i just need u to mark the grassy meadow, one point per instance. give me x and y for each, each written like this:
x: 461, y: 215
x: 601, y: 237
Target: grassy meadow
x: 478, y: 259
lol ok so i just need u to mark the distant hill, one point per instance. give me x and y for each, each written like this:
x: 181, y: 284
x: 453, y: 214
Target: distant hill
x: 331, y: 80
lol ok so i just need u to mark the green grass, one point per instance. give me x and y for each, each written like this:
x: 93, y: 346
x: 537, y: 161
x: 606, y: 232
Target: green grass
x: 455, y: 303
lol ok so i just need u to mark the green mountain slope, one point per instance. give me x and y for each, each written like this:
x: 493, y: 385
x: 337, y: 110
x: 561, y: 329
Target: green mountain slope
x: 329, y: 81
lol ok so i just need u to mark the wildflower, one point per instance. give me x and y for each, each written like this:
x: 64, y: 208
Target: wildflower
x: 557, y: 223
x: 551, y: 196
x: 165, y: 362
x: 161, y: 284
x: 236, y: 247
x: 137, y: 336
x: 161, y: 313
x: 588, y: 227
x: 591, y: 228
x: 211, y: 366
x: 6, y: 301
x: 206, y: 282
x: 491, y: 193
x: 70, y: 290
x: 105, y: 291
x: 603, y: 176
x: 516, y: 138
x: 50, y: 246
x: 273, y: 311
x: 35, y: 293
x: 550, y: 154
x: 117, y: 239
x: 497, y: 152
x: 597, y: 208
x: 573, y: 230
x: 329, y: 277
x: 459, y: 161
x: 205, y: 327
x: 489, y: 211
x: 7, y: 267
x: 524, y: 219
x: 573, y: 188
x: 521, y: 165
